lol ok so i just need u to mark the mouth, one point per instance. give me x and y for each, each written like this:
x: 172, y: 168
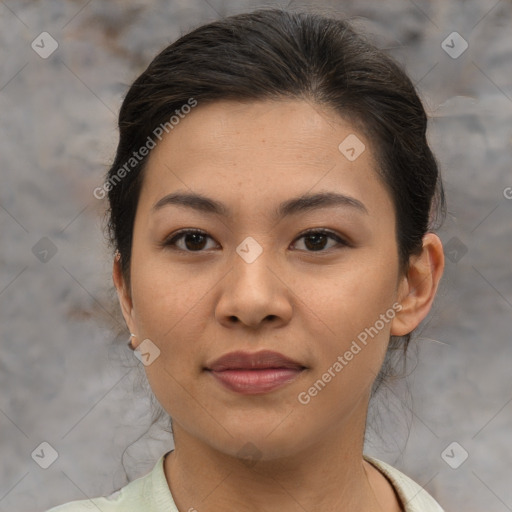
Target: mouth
x: 252, y: 374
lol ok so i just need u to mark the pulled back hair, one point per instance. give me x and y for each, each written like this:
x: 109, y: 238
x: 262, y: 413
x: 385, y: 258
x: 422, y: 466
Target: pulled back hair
x: 277, y: 54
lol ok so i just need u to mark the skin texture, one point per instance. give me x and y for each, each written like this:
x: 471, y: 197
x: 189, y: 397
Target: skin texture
x: 307, y: 303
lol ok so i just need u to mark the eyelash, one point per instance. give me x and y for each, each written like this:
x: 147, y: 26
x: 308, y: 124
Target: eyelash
x: 170, y: 242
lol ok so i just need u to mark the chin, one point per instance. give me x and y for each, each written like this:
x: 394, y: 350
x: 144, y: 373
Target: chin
x: 253, y: 448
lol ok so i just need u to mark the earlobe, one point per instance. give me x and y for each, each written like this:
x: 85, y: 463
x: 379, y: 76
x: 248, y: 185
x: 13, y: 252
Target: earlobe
x: 418, y: 288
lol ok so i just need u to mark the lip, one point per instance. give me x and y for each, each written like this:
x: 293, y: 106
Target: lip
x: 253, y: 361
x: 255, y: 373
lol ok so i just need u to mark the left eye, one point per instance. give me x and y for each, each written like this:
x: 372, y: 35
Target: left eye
x: 319, y: 237
x: 194, y: 240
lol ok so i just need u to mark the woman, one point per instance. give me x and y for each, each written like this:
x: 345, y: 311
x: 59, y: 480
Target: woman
x: 272, y: 204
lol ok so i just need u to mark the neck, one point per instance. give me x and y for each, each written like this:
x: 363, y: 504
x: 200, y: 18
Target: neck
x: 318, y: 477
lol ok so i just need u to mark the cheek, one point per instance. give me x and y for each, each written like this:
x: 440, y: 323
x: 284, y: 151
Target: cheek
x: 351, y: 296
x: 164, y: 296
x: 172, y: 309
x: 345, y: 316
x: 350, y: 346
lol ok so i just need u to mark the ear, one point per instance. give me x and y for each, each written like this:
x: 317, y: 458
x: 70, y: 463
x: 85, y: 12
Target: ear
x: 418, y: 288
x: 124, y: 296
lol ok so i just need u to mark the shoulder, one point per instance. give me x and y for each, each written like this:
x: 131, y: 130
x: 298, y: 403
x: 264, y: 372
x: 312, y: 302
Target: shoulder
x: 149, y: 493
x: 414, y: 497
x: 105, y: 504
x: 124, y: 500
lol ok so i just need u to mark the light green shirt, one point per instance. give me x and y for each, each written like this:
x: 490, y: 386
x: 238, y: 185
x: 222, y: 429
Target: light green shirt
x: 151, y: 493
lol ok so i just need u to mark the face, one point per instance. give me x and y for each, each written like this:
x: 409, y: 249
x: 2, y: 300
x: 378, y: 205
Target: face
x: 256, y: 278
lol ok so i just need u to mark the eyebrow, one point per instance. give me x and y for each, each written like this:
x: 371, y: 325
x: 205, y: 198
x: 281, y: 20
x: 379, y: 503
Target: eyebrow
x: 304, y: 203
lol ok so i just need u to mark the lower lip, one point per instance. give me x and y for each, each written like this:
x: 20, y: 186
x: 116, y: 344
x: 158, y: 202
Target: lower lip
x: 254, y: 382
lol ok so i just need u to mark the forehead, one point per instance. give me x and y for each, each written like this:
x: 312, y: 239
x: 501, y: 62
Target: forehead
x: 291, y: 129
x: 265, y: 147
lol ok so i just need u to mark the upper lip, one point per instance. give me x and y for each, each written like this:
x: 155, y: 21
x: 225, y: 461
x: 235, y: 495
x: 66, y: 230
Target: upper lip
x: 246, y: 361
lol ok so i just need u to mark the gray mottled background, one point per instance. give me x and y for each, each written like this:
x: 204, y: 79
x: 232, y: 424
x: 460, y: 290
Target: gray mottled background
x: 66, y: 377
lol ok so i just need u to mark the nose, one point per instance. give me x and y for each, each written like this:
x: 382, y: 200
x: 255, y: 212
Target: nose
x: 254, y: 293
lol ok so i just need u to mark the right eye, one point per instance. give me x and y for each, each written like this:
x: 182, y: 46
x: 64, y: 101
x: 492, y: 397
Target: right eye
x: 194, y: 240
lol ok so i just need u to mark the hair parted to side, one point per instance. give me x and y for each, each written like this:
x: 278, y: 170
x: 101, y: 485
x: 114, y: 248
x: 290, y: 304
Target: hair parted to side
x: 279, y: 54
